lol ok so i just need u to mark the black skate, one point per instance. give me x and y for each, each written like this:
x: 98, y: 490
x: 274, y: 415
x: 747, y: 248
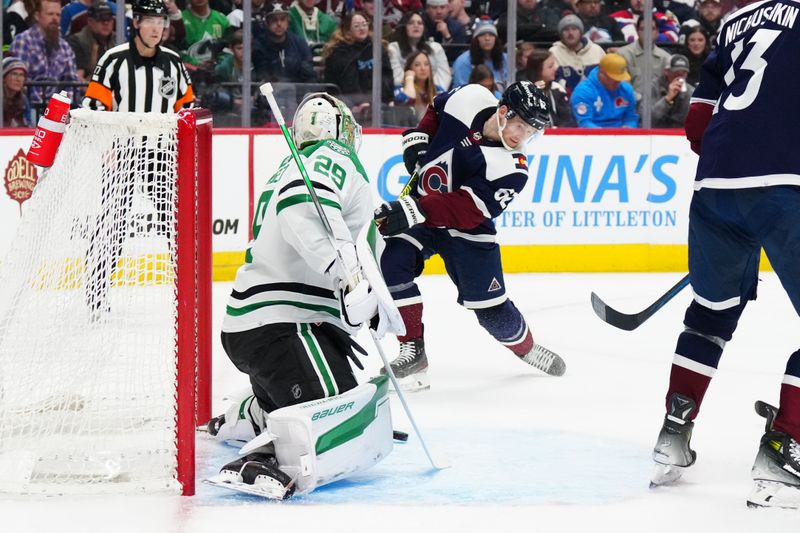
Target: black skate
x: 776, y: 469
x: 257, y: 474
x: 213, y: 425
x: 672, y: 452
x: 545, y: 360
x: 411, y: 366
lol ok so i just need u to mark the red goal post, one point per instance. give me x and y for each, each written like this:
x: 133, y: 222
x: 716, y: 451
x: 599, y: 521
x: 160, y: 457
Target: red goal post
x: 105, y: 311
x: 194, y: 299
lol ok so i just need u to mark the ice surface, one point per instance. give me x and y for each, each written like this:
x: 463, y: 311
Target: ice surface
x: 527, y: 451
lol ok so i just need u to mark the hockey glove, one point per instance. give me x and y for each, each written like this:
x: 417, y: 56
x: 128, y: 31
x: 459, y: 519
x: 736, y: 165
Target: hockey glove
x: 398, y: 216
x: 415, y: 145
x: 357, y: 305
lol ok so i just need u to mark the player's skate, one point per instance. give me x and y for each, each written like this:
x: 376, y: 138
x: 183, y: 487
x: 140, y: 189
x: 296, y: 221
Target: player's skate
x: 545, y: 360
x: 411, y: 366
x: 257, y: 474
x: 776, y: 470
x: 242, y: 421
x: 672, y: 452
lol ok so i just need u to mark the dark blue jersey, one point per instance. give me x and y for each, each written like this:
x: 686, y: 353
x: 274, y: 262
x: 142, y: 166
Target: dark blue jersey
x: 461, y: 160
x: 752, y: 79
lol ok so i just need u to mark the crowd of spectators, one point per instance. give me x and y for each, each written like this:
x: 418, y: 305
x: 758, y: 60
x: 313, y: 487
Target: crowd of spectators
x: 585, y: 54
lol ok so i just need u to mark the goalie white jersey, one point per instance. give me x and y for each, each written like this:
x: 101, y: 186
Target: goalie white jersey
x: 284, y: 275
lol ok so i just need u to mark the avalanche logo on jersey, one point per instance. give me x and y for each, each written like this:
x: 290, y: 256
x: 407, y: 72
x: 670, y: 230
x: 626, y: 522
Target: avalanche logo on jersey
x: 435, y: 178
x: 436, y: 174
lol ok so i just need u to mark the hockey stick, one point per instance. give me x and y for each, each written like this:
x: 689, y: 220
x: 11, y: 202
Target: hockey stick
x: 266, y: 90
x: 412, y: 182
x: 631, y: 322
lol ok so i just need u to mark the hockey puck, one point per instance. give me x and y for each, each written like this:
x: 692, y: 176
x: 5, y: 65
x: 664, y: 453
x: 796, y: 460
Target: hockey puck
x: 400, y: 435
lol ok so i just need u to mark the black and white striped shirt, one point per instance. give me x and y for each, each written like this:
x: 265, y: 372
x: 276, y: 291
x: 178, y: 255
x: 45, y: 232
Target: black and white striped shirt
x: 123, y: 80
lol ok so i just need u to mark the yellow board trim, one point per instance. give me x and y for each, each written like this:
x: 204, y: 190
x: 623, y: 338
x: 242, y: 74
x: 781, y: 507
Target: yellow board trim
x: 548, y: 258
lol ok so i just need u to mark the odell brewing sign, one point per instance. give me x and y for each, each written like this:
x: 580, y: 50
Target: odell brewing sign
x: 20, y: 178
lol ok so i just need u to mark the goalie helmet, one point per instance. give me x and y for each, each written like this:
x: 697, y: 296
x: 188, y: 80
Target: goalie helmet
x: 321, y: 116
x: 528, y: 102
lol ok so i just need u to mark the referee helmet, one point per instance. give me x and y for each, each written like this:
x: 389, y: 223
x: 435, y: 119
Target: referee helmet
x: 149, y: 8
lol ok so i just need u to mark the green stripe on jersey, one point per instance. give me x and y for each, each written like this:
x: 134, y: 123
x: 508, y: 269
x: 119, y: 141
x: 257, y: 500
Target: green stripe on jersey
x: 301, y: 198
x: 319, y: 362
x: 356, y: 424
x: 239, y: 311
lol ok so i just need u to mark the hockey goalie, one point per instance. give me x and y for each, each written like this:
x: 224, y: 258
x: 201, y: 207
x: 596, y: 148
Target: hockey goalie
x: 291, y: 314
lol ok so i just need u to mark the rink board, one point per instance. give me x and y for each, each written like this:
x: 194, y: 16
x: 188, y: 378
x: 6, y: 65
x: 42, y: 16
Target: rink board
x: 606, y: 201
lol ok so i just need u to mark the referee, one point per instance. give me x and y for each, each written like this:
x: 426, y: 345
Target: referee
x: 138, y: 76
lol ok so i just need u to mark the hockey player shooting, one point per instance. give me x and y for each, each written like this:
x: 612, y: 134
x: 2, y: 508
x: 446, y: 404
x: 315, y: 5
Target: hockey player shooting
x: 289, y: 319
x: 747, y: 193
x: 468, y: 157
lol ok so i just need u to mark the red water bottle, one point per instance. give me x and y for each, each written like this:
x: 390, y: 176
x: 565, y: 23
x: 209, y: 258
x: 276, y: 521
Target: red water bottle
x: 49, y: 131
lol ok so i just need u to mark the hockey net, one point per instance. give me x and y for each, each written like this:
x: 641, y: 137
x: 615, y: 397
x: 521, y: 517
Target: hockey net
x: 104, y: 334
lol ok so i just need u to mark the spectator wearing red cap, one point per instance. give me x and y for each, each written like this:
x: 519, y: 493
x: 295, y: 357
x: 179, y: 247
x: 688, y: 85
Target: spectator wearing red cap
x: 16, y: 109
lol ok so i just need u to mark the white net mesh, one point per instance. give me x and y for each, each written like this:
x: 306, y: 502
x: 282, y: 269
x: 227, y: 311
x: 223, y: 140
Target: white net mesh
x: 87, y: 315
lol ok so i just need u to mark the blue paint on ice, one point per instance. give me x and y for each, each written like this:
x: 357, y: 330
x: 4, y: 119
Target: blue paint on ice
x: 497, y: 467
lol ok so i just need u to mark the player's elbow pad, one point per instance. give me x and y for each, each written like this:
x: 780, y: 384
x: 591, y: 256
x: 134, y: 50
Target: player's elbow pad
x: 696, y: 122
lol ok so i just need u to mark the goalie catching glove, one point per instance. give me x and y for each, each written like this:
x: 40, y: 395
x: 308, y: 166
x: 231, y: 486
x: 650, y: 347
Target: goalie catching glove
x: 398, y: 216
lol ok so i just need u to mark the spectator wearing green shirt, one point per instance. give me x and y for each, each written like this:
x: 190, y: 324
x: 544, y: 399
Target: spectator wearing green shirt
x: 311, y: 23
x: 203, y: 26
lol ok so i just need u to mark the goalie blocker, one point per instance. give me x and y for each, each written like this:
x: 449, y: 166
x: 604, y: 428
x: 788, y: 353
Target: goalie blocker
x: 314, y: 443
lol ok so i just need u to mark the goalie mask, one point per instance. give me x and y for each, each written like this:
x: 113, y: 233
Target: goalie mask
x: 321, y: 116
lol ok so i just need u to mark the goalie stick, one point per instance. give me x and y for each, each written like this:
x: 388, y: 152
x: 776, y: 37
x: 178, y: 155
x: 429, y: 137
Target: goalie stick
x: 630, y: 322
x: 266, y: 90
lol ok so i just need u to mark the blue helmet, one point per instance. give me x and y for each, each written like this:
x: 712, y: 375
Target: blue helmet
x: 528, y: 102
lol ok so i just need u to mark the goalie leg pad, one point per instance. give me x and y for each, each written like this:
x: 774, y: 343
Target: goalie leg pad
x: 323, y: 441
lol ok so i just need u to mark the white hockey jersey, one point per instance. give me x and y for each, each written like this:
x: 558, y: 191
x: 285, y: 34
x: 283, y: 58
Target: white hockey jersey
x: 283, y: 278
